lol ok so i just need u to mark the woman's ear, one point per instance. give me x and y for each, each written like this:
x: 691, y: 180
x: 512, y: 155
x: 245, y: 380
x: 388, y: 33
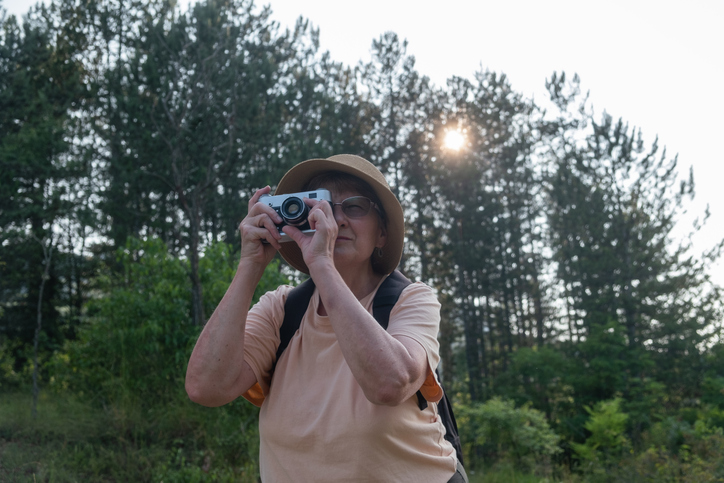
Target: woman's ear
x: 382, y: 237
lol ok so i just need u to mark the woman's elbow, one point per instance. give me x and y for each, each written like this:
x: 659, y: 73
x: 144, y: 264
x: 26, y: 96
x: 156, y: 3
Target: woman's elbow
x: 394, y: 388
x: 389, y: 394
x: 194, y: 391
x: 200, y: 394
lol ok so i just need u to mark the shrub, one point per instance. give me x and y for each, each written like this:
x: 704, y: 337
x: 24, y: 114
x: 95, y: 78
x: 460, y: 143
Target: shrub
x: 607, y: 440
x: 678, y: 452
x: 133, y: 348
x: 134, y: 345
x: 497, y: 431
x: 130, y: 359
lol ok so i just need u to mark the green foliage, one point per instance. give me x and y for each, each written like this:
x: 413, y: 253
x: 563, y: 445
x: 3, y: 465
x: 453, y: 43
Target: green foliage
x: 41, y: 90
x: 72, y: 440
x: 506, y: 473
x: 606, y: 425
x: 9, y: 376
x: 496, y: 430
x: 602, y: 360
x: 713, y: 383
x: 547, y: 238
x: 134, y: 347
x: 539, y: 376
x: 656, y: 465
x: 613, y: 203
x: 216, y: 270
x: 673, y: 450
x: 130, y: 359
x: 713, y: 390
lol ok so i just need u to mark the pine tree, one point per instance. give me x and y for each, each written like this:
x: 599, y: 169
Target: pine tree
x: 194, y: 116
x: 41, y: 88
x: 614, y: 203
x: 493, y: 210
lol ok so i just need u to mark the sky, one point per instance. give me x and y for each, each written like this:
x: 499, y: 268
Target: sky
x: 658, y: 65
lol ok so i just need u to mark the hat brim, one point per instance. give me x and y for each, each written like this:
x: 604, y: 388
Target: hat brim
x: 297, y: 177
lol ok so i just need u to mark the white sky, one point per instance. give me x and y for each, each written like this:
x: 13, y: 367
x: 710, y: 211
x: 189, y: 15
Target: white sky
x: 657, y: 64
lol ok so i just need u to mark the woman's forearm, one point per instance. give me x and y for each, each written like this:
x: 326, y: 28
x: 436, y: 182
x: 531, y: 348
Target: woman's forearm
x: 388, y: 370
x: 216, y: 372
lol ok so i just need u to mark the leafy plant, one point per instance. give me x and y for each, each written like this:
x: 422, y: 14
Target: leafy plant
x: 497, y: 430
x: 134, y: 347
x: 607, y: 425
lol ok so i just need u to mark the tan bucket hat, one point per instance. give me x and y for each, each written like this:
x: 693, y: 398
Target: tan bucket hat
x: 296, y: 178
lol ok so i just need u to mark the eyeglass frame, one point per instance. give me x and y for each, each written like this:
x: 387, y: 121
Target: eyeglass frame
x: 372, y: 205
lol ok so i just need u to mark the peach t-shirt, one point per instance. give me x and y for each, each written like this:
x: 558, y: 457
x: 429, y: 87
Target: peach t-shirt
x: 316, y: 423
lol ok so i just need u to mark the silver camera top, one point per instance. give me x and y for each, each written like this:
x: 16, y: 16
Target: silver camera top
x: 293, y: 210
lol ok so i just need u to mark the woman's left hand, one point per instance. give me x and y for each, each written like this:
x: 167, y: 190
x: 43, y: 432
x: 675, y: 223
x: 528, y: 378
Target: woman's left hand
x: 318, y: 248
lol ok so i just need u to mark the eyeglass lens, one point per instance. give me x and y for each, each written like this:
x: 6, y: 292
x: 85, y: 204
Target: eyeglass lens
x: 356, y: 206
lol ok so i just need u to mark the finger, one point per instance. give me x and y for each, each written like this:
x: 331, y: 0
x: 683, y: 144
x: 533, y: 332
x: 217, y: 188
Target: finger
x: 294, y: 233
x: 263, y: 234
x: 253, y: 230
x: 257, y: 194
x: 263, y: 221
x: 319, y: 212
x: 266, y: 210
x: 319, y: 204
x: 274, y: 242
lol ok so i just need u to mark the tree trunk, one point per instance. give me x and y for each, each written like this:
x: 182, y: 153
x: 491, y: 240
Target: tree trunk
x: 538, y: 308
x: 47, y: 256
x: 197, y: 300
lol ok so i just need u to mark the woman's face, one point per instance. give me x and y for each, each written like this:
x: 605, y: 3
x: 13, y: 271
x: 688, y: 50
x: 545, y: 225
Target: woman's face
x: 357, y: 237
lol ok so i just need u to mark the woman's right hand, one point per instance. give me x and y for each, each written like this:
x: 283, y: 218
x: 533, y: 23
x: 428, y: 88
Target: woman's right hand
x: 259, y: 225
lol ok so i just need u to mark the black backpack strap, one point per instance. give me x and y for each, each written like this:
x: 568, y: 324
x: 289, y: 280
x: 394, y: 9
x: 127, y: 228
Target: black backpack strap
x: 295, y: 306
x: 387, y: 296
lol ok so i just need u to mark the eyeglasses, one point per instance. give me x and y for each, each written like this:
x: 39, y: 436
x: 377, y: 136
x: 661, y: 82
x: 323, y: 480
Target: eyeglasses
x: 356, y: 206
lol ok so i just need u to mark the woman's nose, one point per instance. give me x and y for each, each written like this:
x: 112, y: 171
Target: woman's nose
x: 339, y: 215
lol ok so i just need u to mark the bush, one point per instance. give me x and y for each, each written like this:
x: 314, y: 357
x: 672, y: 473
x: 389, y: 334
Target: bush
x: 607, y: 440
x: 134, y: 346
x: 9, y: 377
x: 130, y: 362
x: 498, y: 431
x: 677, y: 452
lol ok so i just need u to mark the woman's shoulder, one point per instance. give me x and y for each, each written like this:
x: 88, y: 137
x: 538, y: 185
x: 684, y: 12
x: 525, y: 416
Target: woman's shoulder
x: 416, y: 298
x: 274, y: 297
x: 418, y: 290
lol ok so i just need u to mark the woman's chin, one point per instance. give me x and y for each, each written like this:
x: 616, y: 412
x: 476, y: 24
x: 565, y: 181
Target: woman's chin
x: 348, y: 259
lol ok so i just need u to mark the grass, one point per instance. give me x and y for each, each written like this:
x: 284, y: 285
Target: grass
x: 27, y: 445
x: 506, y: 473
x: 68, y: 441
x: 73, y: 441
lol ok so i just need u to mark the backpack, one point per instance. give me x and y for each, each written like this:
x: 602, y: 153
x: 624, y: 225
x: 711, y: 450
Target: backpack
x: 386, y: 297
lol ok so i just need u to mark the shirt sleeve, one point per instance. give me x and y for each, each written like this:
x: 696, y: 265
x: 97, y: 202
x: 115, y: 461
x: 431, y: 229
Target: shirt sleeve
x: 416, y: 315
x: 261, y: 340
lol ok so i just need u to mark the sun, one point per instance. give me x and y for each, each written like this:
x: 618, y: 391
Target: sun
x: 454, y: 140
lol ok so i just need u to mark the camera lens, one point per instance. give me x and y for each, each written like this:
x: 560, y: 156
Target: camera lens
x: 294, y: 211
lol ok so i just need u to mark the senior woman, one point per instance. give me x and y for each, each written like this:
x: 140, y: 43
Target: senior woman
x: 339, y: 404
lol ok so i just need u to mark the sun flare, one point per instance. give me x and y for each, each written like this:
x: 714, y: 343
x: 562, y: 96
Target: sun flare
x: 454, y: 140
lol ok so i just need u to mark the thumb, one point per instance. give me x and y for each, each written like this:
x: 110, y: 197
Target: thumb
x: 294, y: 233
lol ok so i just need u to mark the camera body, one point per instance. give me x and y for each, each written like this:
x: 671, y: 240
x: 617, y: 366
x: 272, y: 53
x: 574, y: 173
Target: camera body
x: 293, y: 210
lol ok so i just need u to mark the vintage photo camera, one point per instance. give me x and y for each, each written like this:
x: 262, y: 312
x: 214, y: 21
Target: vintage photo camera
x: 293, y: 210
